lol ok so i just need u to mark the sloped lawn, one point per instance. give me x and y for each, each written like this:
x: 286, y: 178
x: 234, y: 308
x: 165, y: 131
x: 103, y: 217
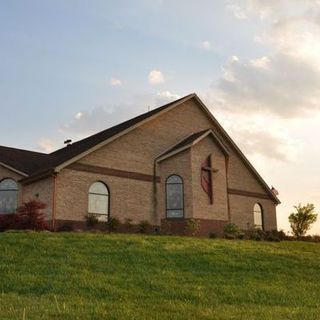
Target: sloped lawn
x: 100, y: 276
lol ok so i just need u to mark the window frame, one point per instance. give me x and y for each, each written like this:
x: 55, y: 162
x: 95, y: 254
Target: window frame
x: 6, y: 190
x: 98, y: 215
x: 262, y: 215
x: 166, y: 197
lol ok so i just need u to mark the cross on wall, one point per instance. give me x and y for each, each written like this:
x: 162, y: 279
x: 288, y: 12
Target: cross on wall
x: 207, y: 171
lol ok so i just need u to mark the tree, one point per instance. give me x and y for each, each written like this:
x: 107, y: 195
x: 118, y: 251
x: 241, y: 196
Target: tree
x: 301, y: 221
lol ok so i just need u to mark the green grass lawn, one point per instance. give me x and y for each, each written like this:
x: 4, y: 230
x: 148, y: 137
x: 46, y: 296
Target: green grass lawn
x: 100, y: 276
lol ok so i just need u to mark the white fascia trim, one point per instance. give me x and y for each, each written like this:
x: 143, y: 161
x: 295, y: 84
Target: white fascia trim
x: 13, y: 169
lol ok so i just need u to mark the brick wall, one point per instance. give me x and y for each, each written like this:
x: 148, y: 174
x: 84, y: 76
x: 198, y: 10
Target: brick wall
x: 242, y: 212
x: 129, y: 198
x: 201, y: 206
x: 41, y: 190
x: 137, y: 151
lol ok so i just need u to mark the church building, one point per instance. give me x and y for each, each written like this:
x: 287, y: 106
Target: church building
x: 167, y: 166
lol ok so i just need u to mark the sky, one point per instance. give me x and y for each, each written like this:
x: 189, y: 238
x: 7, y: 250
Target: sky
x: 71, y: 68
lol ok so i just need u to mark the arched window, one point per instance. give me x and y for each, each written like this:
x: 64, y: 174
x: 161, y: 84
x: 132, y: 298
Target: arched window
x: 174, y: 197
x: 8, y: 196
x: 258, y: 216
x: 98, y: 203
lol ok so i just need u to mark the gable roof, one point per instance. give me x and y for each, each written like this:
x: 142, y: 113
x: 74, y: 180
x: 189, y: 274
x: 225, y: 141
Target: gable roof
x: 57, y: 160
x: 190, y: 141
x: 21, y: 161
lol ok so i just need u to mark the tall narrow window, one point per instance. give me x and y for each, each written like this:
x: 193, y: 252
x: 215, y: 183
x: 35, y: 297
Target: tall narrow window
x: 8, y: 196
x: 174, y: 195
x: 98, y: 203
x: 258, y: 216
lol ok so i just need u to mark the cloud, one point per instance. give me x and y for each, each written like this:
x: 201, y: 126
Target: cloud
x: 46, y: 145
x: 156, y: 77
x: 165, y: 97
x: 97, y: 119
x: 237, y: 11
x: 260, y: 136
x: 280, y: 84
x: 115, y: 82
x: 267, y: 9
x: 266, y: 143
x: 79, y: 115
x: 284, y: 82
x: 205, y: 45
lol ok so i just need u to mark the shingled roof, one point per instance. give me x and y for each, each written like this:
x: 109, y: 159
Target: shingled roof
x: 23, y: 161
x: 191, y: 140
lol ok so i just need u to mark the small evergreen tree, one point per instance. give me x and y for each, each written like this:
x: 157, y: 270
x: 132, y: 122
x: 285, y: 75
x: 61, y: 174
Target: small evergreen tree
x: 302, y: 219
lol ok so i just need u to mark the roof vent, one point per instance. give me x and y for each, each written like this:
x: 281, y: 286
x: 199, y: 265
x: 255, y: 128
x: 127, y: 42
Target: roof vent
x: 68, y: 142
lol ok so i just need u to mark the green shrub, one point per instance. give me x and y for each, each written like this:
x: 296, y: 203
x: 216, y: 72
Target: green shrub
x: 316, y: 238
x: 212, y: 235
x: 91, y: 220
x: 192, y: 227
x: 282, y: 235
x: 256, y: 234
x: 272, y: 236
x: 144, y: 226
x: 261, y: 235
x: 113, y: 224
x: 232, y: 231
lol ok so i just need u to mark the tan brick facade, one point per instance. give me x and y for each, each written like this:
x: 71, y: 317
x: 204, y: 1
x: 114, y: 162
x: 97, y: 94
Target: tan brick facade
x: 42, y: 191
x: 128, y: 166
x: 202, y: 207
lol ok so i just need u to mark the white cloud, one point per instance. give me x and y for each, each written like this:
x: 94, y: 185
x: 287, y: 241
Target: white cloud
x: 285, y: 81
x: 165, y: 97
x: 115, y: 82
x: 259, y: 136
x: 205, y: 45
x: 237, y: 11
x: 79, y: 115
x: 156, y: 77
x: 280, y: 84
x: 47, y: 145
x: 168, y: 95
x: 269, y: 142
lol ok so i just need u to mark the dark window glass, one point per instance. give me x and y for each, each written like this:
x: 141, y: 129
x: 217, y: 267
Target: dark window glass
x: 8, y: 196
x: 174, y: 193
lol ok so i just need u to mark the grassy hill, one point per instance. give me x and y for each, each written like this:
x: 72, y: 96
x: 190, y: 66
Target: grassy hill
x: 99, y: 276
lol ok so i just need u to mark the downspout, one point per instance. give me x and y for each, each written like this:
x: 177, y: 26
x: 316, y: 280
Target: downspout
x: 155, y: 191
x: 54, y: 191
x: 227, y: 181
